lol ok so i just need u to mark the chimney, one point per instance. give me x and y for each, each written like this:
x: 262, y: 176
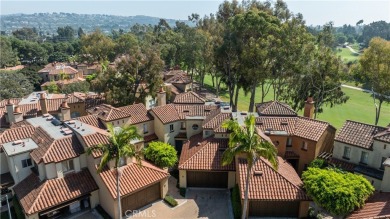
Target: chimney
x: 18, y: 115
x: 10, y: 112
x: 309, y: 108
x: 65, y: 111
x: 161, y: 97
x: 43, y: 103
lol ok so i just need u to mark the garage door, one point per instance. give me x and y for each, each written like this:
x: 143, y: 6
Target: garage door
x: 273, y: 209
x: 207, y: 179
x: 141, y: 198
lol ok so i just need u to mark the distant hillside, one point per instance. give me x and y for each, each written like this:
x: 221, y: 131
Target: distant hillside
x: 48, y: 23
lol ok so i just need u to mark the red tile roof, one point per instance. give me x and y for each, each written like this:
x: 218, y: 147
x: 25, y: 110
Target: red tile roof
x: 138, y: 113
x: 54, y: 70
x: 283, y: 184
x: 133, y: 177
x: 215, y: 123
x: 92, y: 120
x: 14, y: 101
x: 179, y: 78
x: 204, y: 154
x: 188, y: 98
x: 36, y: 196
x: 166, y: 114
x: 16, y: 134
x: 108, y: 113
x: 96, y: 139
x: 274, y: 108
x: 299, y: 126
x: 377, y: 206
x: 358, y: 134
x: 194, y: 110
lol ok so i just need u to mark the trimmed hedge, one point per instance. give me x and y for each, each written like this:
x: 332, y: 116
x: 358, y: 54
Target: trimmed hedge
x: 236, y: 202
x: 170, y: 200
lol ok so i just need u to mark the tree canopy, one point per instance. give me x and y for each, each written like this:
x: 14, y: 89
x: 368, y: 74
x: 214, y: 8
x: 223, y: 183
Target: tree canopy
x: 162, y: 154
x: 14, y: 85
x: 337, y: 192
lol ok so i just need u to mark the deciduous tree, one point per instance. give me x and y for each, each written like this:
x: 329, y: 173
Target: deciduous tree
x: 14, y: 85
x: 162, y: 154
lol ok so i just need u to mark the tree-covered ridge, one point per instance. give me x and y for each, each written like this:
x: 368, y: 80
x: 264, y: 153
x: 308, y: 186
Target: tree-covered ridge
x: 47, y: 23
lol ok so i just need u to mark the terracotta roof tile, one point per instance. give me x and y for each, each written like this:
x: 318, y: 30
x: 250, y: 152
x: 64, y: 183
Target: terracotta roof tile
x: 54, y: 104
x: 96, y: 139
x: 30, y: 109
x: 204, y: 154
x: 14, y: 101
x: 133, y: 178
x: 16, y: 134
x: 188, y: 98
x: 138, y: 113
x: 174, y: 89
x: 358, y: 134
x: 53, y: 70
x: 166, y: 114
x: 92, y: 120
x: 299, y: 126
x: 283, y: 184
x: 274, y: 108
x: 108, y: 113
x: 36, y: 196
x: 63, y: 82
x: 93, y: 100
x: 194, y: 110
x: 179, y: 78
x: 216, y: 121
x: 377, y: 206
x: 383, y: 136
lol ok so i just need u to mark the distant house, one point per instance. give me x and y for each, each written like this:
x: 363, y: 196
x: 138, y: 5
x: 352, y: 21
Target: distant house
x: 364, y: 149
x: 59, y: 73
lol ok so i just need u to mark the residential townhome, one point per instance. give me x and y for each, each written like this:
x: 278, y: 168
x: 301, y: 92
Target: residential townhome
x: 364, y: 149
x: 45, y: 164
x: 272, y: 193
x: 39, y: 103
x: 175, y: 123
x: 179, y: 79
x: 59, y: 73
x: 298, y: 139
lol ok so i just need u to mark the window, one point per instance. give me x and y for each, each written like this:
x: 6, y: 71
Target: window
x: 347, y: 153
x: 26, y: 163
x: 364, y: 157
x: 276, y: 143
x: 195, y: 126
x: 289, y: 142
x: 304, y: 145
x: 207, y: 133
x: 67, y: 166
x: 146, y: 128
x: 382, y: 166
x: 117, y: 122
x: 123, y: 121
x: 171, y: 128
x: 183, y: 125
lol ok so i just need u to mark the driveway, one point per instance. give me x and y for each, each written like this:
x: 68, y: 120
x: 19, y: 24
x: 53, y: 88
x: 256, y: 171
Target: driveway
x: 198, y: 203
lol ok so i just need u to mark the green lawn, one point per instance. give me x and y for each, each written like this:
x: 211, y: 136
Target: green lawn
x: 346, y: 55
x: 360, y: 107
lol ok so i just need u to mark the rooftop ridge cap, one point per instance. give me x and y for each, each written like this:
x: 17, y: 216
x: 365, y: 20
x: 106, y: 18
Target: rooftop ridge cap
x: 44, y: 185
x: 362, y: 123
x: 203, y: 146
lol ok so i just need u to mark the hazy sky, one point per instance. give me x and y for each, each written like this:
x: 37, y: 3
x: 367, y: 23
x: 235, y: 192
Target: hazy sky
x: 314, y: 11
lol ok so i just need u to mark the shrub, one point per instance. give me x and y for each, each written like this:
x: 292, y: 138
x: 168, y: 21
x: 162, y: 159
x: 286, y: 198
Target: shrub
x: 170, y: 200
x: 18, y: 209
x: 183, y: 192
x: 336, y: 191
x: 236, y: 202
x: 161, y: 154
x: 318, y: 163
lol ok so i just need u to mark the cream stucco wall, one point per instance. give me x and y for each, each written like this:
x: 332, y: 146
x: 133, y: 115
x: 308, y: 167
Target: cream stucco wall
x: 3, y: 163
x: 164, y: 187
x: 33, y: 216
x: 231, y: 179
x: 189, y: 127
x: 375, y: 182
x: 60, y: 172
x: 51, y: 171
x: 221, y: 135
x: 385, y: 187
x: 374, y: 156
x: 42, y: 171
x: 16, y: 169
x: 183, y: 178
x: 94, y: 198
x: 120, y: 122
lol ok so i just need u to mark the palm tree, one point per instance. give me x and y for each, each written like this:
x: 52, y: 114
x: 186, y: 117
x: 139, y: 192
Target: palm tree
x: 245, y: 140
x: 119, y: 147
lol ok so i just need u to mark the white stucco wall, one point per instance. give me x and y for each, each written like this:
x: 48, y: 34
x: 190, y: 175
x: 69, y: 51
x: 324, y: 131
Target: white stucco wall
x: 16, y: 169
x: 51, y: 171
x: 3, y: 163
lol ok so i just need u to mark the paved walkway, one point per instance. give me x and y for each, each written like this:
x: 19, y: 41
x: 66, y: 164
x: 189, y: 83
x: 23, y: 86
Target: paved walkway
x: 361, y: 89
x: 352, y: 50
x: 198, y: 203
